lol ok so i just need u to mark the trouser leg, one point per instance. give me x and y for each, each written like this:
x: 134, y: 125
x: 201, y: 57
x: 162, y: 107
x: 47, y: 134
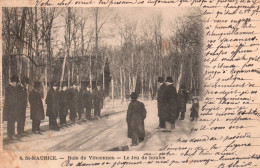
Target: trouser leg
x: 135, y: 141
x: 34, y: 125
x: 182, y: 115
x: 10, y: 128
x: 161, y: 123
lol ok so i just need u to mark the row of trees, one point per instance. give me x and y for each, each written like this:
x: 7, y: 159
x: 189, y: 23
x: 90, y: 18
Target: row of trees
x: 99, y: 44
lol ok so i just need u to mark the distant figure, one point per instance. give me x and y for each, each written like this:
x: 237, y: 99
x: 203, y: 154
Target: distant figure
x: 194, y: 109
x: 36, y: 108
x: 183, y: 99
x: 73, y: 102
x: 136, y: 113
x: 160, y: 102
x: 170, y: 109
x: 63, y: 104
x: 23, y: 97
x: 98, y: 97
x: 11, y: 113
x: 52, y: 106
x: 88, y: 102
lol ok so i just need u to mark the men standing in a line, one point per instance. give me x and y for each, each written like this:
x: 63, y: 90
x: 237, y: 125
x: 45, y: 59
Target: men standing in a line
x: 22, y: 97
x: 170, y: 109
x: 36, y: 107
x: 63, y: 104
x: 52, y: 106
x: 73, y: 103
x: 88, y: 102
x: 160, y: 102
x: 183, y: 98
x: 10, y: 113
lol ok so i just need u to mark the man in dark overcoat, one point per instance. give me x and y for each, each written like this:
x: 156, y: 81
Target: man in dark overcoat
x: 52, y: 102
x: 36, y: 107
x: 63, y: 103
x: 10, y: 112
x: 81, y: 101
x: 183, y: 99
x: 160, y: 102
x: 98, y: 100
x: 136, y: 113
x: 170, y: 109
x: 23, y: 98
x: 88, y: 102
x: 73, y: 102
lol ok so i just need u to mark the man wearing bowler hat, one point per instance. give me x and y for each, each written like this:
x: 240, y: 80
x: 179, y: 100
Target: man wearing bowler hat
x: 170, y: 109
x: 160, y: 102
x: 22, y: 96
x: 52, y: 106
x: 63, y: 103
x: 36, y: 107
x: 136, y: 113
x: 73, y: 102
x: 10, y: 113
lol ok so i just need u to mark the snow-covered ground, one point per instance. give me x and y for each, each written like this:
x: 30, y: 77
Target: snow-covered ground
x: 102, y: 134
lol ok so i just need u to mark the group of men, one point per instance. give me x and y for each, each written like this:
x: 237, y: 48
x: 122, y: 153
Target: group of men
x: 60, y: 101
x: 171, y: 104
x: 72, y: 101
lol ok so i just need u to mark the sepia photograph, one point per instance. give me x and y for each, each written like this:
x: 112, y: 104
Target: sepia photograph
x: 100, y: 79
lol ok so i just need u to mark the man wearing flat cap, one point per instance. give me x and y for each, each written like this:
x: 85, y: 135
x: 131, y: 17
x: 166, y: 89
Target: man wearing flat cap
x: 160, y: 102
x: 11, y: 113
x: 170, y: 110
x: 36, y: 107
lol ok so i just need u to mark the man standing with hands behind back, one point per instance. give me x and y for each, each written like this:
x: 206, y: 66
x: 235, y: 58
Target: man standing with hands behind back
x: 160, y: 101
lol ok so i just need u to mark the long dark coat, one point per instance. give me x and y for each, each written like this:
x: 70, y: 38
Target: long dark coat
x: 52, y: 103
x: 63, y: 103
x: 81, y: 101
x: 194, y: 110
x: 160, y: 102
x: 183, y: 98
x: 136, y: 113
x: 170, y: 108
x: 88, y: 100
x: 98, y: 98
x: 22, y: 97
x: 36, y: 106
x: 10, y: 112
x: 73, y: 98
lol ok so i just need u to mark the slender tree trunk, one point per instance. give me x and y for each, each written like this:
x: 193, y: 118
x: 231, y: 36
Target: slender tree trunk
x: 121, y: 85
x: 179, y: 78
x: 112, y: 83
x: 124, y: 90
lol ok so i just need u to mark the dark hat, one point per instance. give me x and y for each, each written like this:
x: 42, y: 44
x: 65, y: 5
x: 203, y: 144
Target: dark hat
x: 56, y: 84
x: 134, y: 95
x: 195, y: 98
x: 169, y: 79
x: 15, y: 78
x: 160, y: 79
x: 37, y: 84
x: 75, y: 83
x: 25, y: 80
x: 65, y: 83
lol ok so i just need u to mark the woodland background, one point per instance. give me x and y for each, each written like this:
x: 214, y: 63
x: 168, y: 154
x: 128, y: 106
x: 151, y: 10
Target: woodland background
x: 123, y: 53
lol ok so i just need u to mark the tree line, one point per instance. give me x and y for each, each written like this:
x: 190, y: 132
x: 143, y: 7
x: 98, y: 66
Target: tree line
x: 75, y: 44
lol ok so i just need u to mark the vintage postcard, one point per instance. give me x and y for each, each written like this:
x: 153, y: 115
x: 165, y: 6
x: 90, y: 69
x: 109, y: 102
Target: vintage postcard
x: 130, y: 83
